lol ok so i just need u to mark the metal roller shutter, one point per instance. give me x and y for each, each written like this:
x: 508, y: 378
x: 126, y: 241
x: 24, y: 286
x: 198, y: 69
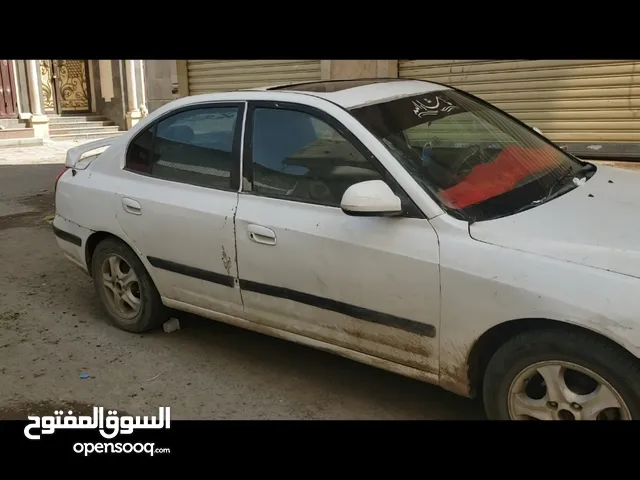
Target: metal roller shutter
x: 206, y: 76
x: 569, y: 100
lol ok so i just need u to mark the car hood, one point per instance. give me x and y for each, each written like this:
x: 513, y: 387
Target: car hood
x: 596, y: 224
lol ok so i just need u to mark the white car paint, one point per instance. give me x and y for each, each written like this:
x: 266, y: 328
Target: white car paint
x: 379, y: 92
x: 374, y: 93
x: 373, y: 196
x: 460, y: 280
x: 184, y: 225
x: 500, y: 285
x: 385, y: 272
x: 587, y: 226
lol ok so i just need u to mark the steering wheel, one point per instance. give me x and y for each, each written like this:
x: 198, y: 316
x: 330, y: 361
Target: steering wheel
x: 426, y: 155
x: 463, y: 159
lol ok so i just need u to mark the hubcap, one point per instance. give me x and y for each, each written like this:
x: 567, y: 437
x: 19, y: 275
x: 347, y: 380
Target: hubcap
x: 121, y: 286
x: 558, y: 390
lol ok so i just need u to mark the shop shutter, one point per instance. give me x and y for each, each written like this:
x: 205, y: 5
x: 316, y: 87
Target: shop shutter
x: 569, y: 100
x: 207, y: 76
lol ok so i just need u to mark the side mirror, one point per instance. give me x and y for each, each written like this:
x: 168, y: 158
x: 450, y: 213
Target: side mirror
x: 372, y: 198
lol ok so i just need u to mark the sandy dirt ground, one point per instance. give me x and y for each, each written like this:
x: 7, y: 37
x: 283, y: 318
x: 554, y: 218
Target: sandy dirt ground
x: 53, y: 330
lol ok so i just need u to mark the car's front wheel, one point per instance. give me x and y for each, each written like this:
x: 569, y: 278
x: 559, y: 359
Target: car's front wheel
x: 125, y: 288
x: 561, y: 375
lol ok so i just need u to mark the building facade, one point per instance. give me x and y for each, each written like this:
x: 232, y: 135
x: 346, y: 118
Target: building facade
x: 593, y: 106
x: 64, y: 99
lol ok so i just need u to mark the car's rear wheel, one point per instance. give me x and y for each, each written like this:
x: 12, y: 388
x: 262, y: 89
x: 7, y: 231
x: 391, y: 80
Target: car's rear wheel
x: 127, y: 292
x: 561, y: 375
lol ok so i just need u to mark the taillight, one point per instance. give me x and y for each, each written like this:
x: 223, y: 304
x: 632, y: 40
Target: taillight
x: 55, y: 186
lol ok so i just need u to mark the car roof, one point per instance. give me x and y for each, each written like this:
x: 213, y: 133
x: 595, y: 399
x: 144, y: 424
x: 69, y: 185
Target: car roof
x: 358, y: 93
x: 348, y: 94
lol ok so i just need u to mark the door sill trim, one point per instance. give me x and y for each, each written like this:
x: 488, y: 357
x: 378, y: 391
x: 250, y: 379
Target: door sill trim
x: 364, y: 358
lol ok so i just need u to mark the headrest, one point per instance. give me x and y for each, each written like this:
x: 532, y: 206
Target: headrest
x: 179, y: 133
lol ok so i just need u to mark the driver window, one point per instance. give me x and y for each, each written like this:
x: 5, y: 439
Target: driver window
x: 299, y: 157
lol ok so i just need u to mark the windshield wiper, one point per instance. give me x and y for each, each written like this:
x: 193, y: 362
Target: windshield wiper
x: 567, y: 173
x: 553, y: 192
x: 571, y: 173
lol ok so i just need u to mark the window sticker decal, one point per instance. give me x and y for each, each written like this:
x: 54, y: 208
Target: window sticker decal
x: 427, y: 107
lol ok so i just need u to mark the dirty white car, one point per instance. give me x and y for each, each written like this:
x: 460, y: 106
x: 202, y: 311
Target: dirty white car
x: 403, y: 224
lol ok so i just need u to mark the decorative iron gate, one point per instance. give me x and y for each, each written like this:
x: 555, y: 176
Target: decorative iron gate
x: 48, y: 87
x: 73, y: 83
x: 65, y: 85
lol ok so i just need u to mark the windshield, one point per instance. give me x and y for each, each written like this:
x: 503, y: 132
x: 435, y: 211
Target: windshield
x: 477, y: 161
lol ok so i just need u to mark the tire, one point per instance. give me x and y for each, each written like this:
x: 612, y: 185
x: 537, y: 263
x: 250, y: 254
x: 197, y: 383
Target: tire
x: 150, y: 313
x: 507, y: 393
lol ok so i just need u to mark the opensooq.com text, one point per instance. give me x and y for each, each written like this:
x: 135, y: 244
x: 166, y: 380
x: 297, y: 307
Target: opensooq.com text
x: 104, y: 447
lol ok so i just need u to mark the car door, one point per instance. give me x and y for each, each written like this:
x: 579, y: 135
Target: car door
x: 363, y: 283
x: 177, y: 201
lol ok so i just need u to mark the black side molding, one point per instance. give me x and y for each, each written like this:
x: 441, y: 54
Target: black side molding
x: 360, y: 313
x: 67, y: 237
x: 194, y: 272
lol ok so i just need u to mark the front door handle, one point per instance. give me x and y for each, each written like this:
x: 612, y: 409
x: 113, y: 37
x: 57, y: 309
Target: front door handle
x: 131, y: 206
x: 261, y: 234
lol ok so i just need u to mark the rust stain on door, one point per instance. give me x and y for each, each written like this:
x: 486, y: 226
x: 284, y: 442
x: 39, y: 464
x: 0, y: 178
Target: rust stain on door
x: 226, y: 261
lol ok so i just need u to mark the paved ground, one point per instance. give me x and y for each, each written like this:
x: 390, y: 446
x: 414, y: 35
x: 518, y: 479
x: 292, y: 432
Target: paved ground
x: 52, y: 330
x: 50, y: 152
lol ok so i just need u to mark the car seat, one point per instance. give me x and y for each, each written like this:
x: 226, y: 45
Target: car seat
x: 279, y: 134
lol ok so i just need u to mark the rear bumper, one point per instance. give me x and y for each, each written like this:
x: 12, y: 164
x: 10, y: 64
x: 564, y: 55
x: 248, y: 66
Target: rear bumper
x: 72, y: 240
x: 67, y: 237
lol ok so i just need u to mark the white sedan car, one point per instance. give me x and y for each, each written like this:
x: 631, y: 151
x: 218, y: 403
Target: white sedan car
x: 399, y: 223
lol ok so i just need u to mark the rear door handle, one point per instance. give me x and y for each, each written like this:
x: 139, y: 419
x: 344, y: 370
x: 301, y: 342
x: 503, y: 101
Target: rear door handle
x: 131, y: 206
x: 261, y: 234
